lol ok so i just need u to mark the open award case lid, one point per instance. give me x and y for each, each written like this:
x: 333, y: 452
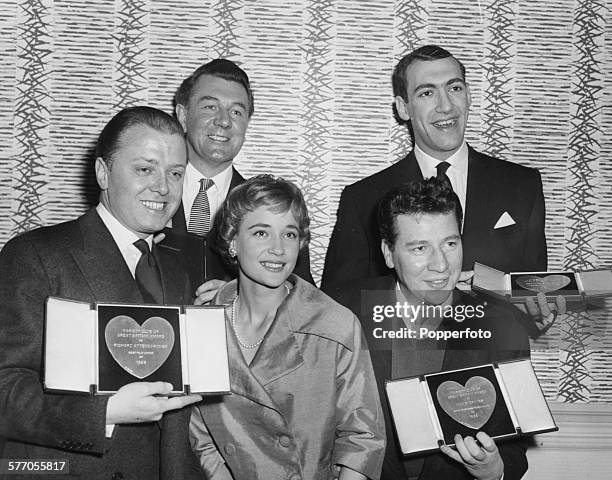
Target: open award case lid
x: 504, y: 400
x: 99, y: 348
x: 516, y: 287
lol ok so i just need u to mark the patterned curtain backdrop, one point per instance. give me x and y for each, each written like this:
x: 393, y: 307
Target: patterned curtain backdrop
x: 539, y: 72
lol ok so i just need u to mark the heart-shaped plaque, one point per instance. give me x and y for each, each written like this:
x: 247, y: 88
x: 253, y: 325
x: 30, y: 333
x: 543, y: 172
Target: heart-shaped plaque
x: 139, y: 349
x: 548, y: 283
x: 471, y: 405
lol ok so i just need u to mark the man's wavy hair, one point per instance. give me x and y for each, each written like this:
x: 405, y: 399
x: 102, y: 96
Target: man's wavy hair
x: 432, y: 196
x: 110, y: 137
x: 275, y: 193
x: 220, y: 68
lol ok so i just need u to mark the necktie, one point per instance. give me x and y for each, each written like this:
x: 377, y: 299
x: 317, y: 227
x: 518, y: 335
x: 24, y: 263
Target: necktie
x: 199, y: 219
x: 147, y: 275
x: 441, y: 168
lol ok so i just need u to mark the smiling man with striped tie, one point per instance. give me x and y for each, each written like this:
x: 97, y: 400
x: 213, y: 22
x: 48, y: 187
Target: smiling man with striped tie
x: 214, y: 106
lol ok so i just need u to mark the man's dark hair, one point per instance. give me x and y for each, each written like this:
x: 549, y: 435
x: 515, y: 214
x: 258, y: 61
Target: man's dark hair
x: 108, y: 141
x: 220, y: 68
x: 431, y: 196
x: 426, y: 53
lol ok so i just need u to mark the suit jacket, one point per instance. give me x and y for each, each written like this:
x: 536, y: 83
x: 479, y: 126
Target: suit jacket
x: 215, y: 266
x: 493, y: 187
x: 76, y: 260
x: 508, y: 341
x: 306, y: 402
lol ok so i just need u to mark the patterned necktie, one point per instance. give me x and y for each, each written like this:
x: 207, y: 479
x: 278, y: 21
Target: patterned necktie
x: 441, y: 168
x: 199, y: 219
x: 147, y: 275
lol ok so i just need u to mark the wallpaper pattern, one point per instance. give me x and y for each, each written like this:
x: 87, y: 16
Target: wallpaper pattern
x: 539, y: 74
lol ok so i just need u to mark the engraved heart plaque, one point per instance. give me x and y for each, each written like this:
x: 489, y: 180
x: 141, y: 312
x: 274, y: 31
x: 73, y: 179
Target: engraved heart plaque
x: 471, y: 405
x: 548, y: 283
x: 139, y: 349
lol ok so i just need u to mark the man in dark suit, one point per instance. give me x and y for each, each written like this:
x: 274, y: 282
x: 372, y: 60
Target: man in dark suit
x: 420, y: 227
x: 103, y: 256
x: 503, y: 202
x: 214, y: 106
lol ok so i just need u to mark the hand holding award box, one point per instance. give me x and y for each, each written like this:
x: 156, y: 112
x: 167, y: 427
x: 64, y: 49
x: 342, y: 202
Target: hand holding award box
x: 517, y: 287
x: 100, y: 348
x: 503, y: 400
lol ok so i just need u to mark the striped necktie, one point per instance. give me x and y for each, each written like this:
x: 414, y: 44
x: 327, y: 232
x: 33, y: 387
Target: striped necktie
x: 199, y: 219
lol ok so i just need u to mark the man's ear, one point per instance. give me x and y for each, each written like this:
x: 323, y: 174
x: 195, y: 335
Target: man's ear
x: 181, y: 115
x: 402, y: 108
x: 102, y: 172
x: 387, y: 253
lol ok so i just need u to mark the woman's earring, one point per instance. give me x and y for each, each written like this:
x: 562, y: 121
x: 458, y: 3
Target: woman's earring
x: 232, y: 252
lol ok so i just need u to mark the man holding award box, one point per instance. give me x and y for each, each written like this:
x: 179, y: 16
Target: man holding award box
x: 416, y: 323
x: 106, y: 255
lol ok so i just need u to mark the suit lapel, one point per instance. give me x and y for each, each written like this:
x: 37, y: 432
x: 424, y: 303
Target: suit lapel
x: 409, y: 170
x: 102, y: 264
x: 243, y: 380
x: 278, y: 355
x: 237, y: 179
x: 178, y: 220
x: 172, y: 278
x: 380, y: 349
x: 478, y: 194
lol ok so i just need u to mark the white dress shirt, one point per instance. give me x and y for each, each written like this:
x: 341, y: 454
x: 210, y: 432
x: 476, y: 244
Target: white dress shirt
x: 124, y: 238
x: 216, y: 193
x: 457, y: 172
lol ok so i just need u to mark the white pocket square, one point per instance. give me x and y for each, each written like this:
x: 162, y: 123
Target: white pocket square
x: 504, y: 221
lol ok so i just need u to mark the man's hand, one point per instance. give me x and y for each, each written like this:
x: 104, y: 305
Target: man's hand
x: 465, y: 280
x: 207, y: 291
x: 144, y: 402
x: 158, y: 237
x: 543, y: 313
x: 480, y: 457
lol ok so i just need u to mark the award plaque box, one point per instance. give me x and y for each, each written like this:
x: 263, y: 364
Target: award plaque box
x: 516, y: 287
x: 99, y: 348
x: 503, y: 400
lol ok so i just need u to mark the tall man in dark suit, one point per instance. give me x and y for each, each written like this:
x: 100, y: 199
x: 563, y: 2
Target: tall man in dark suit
x: 503, y: 202
x: 103, y: 256
x: 214, y: 105
x: 420, y: 226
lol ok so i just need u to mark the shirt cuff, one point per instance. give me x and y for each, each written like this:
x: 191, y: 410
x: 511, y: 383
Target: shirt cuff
x: 109, y: 430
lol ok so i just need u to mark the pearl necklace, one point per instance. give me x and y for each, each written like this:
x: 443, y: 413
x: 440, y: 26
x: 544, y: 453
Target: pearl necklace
x: 258, y: 342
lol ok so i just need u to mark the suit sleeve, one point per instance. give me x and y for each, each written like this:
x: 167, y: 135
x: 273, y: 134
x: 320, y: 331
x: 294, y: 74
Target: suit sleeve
x: 535, y: 246
x: 348, y: 251
x: 360, y: 430
x: 27, y: 413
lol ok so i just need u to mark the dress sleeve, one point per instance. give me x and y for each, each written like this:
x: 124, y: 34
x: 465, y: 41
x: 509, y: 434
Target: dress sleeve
x: 204, y: 448
x: 360, y: 427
